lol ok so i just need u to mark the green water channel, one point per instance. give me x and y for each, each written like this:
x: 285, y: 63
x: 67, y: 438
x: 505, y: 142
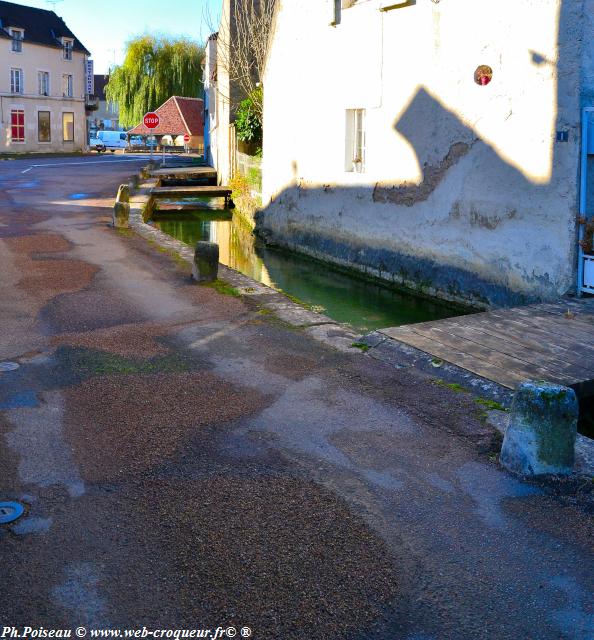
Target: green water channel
x: 363, y: 304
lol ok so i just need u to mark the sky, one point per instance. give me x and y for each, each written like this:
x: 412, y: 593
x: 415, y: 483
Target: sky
x: 104, y: 26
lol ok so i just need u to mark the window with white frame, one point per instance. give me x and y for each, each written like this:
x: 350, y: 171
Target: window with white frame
x: 43, y: 83
x: 355, y: 140
x: 17, y: 125
x: 16, y: 81
x: 17, y: 36
x: 67, y: 45
x: 67, y: 85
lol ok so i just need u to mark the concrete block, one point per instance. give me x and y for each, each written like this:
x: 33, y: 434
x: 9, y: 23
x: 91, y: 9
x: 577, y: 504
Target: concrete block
x: 540, y: 438
x: 121, y: 215
x: 206, y: 261
x: 123, y: 193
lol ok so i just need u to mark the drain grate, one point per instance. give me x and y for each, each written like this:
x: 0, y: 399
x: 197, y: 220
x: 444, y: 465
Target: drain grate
x: 8, y: 366
x: 10, y: 511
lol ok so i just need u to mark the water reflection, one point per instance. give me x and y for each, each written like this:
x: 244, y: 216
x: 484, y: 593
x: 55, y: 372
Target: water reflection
x: 364, y: 305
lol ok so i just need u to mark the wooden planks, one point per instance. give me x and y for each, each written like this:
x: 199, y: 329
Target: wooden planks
x: 202, y: 172
x: 195, y: 190
x: 553, y: 341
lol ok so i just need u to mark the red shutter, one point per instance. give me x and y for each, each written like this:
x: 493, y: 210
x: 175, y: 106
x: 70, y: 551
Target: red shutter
x: 17, y: 125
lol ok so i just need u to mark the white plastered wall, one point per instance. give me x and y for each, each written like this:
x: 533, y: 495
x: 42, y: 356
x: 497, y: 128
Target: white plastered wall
x: 463, y: 179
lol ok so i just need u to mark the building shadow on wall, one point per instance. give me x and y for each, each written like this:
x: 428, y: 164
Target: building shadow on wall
x: 463, y: 177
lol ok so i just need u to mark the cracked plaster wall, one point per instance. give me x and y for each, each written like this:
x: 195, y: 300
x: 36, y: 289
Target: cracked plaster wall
x: 466, y: 194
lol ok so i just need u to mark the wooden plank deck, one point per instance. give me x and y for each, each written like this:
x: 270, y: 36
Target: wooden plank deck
x: 178, y: 172
x: 206, y: 208
x: 552, y: 341
x: 192, y: 191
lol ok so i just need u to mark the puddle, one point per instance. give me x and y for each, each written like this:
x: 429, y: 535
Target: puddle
x: 20, y: 400
x: 346, y: 298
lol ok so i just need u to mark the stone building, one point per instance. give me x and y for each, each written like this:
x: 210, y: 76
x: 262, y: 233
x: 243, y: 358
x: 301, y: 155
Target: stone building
x: 106, y: 117
x: 227, y: 56
x: 431, y: 143
x: 42, y: 82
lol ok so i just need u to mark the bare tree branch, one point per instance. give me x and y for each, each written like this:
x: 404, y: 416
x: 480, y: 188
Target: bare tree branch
x: 242, y: 47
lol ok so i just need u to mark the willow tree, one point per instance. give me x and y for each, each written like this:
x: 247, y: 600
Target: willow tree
x: 154, y: 69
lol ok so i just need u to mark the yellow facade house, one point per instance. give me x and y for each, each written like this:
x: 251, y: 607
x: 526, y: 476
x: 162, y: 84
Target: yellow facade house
x: 43, y: 69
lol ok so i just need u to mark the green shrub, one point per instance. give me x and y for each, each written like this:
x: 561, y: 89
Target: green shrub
x: 248, y: 123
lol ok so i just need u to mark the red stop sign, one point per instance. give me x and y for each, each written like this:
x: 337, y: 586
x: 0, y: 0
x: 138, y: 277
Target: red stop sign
x: 186, y: 138
x: 151, y: 120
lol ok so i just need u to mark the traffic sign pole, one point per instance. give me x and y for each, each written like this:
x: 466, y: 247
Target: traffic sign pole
x: 151, y: 121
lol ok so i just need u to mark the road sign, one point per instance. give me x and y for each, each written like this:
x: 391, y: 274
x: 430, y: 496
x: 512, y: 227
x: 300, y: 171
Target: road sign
x: 151, y: 120
x: 186, y: 138
x: 90, y: 78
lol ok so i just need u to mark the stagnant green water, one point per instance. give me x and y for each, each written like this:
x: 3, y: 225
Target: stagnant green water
x: 363, y: 304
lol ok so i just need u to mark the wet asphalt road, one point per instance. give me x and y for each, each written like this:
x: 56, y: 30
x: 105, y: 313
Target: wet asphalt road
x: 187, y: 461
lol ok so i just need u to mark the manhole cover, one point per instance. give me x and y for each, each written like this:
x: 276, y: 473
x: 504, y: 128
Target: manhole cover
x: 10, y: 511
x: 8, y: 366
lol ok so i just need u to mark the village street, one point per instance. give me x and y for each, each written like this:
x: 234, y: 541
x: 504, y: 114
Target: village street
x: 187, y: 461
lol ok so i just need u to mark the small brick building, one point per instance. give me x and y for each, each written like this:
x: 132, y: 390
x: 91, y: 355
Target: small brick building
x: 177, y: 116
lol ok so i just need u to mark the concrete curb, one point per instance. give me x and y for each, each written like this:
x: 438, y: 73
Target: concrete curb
x: 325, y: 330
x: 318, y: 326
x: 400, y: 355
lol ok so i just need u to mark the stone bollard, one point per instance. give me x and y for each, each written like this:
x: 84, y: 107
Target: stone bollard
x: 121, y: 208
x: 123, y: 193
x: 541, y: 435
x: 206, y: 261
x: 121, y: 215
x: 133, y: 182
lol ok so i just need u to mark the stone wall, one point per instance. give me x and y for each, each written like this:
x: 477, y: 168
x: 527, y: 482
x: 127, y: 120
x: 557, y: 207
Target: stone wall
x: 466, y: 192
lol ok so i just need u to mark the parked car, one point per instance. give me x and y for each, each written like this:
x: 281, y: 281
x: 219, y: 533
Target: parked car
x: 137, y: 141
x: 113, y: 139
x: 96, y: 144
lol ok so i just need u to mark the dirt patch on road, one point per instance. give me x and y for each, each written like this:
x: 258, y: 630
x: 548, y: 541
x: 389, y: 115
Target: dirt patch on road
x: 44, y: 278
x: 131, y: 423
x: 19, y: 221
x: 39, y: 243
x: 278, y: 554
x: 549, y: 514
x: 128, y: 341
x: 291, y: 365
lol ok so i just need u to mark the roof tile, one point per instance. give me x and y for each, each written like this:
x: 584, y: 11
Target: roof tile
x: 177, y: 115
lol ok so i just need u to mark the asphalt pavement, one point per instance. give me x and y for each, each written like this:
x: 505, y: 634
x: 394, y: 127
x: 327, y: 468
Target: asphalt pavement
x: 188, y: 461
